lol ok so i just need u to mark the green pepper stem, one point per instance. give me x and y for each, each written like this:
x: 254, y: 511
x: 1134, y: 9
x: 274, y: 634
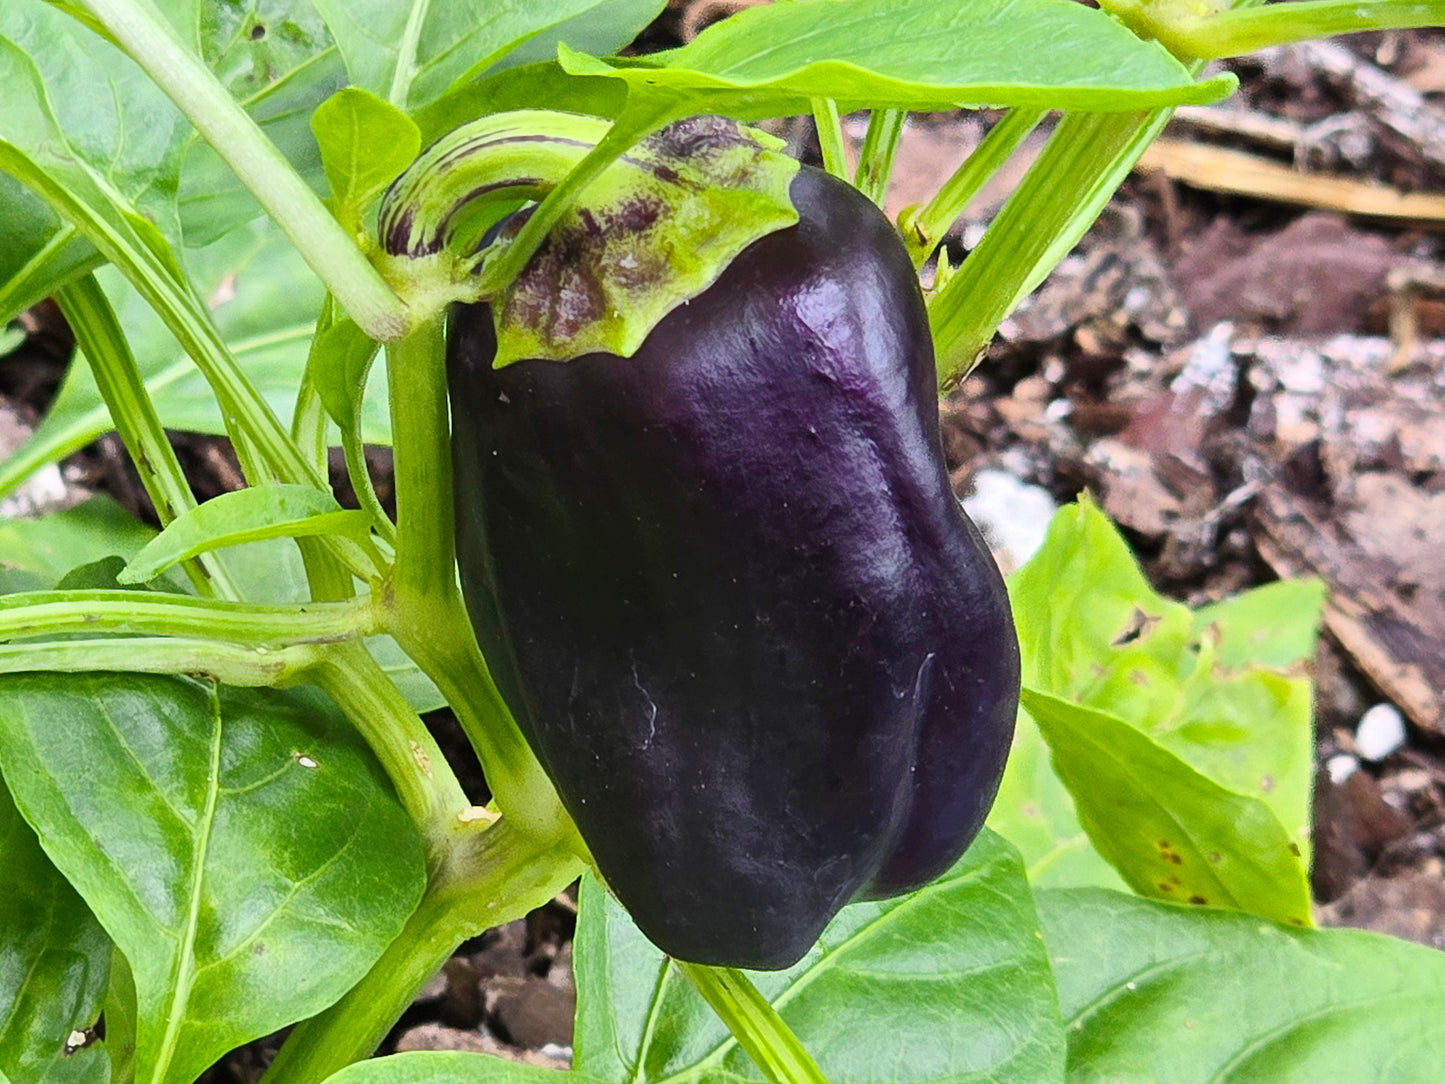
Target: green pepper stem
x: 99, y: 337
x: 830, y: 137
x: 880, y: 145
x: 1083, y: 163
x: 418, y: 769
x: 424, y: 609
x: 229, y: 664
x: 308, y: 417
x: 494, y: 874
x: 926, y: 227
x: 323, y: 243
x: 1189, y: 35
x: 421, y: 449
x: 50, y: 613
x: 754, y: 1023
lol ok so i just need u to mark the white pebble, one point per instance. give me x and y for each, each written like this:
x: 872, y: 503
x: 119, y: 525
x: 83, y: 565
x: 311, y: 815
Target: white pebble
x: 1341, y: 766
x: 1380, y: 732
x: 1013, y: 516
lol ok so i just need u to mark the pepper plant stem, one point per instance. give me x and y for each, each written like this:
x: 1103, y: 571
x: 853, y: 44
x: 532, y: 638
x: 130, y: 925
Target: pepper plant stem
x: 48, y: 613
x: 308, y: 418
x: 425, y: 549
x: 424, y: 610
x: 413, y: 761
x: 327, y: 248
x: 1083, y: 163
x: 495, y: 874
x: 923, y: 230
x: 1234, y: 33
x: 100, y: 339
x: 875, y: 160
x: 755, y: 1024
x: 227, y: 663
x: 829, y: 126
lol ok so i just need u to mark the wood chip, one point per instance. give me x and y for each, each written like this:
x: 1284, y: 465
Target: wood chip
x: 1219, y: 169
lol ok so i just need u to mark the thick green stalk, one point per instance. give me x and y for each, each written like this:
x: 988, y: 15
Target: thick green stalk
x: 1083, y: 163
x: 496, y: 874
x: 925, y: 228
x: 227, y: 663
x: 424, y: 610
x: 425, y: 545
x: 418, y: 769
x: 755, y: 1024
x: 99, y: 337
x: 52, y: 613
x: 327, y: 248
x: 1189, y: 35
x: 830, y: 137
x: 875, y: 161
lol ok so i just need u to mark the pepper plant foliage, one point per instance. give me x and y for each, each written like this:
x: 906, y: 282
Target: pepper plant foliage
x: 221, y: 813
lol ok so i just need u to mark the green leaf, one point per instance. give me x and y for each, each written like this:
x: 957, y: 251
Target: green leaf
x: 88, y: 117
x: 241, y: 846
x: 1226, y: 689
x: 35, y: 554
x: 264, y: 301
x: 601, y: 29
x: 531, y: 86
x: 120, y: 1019
x: 343, y: 357
x: 1153, y: 992
x: 41, y: 252
x: 529, y: 77
x: 54, y: 965
x: 365, y: 142
x: 948, y: 983
x: 248, y: 515
x: 1171, y: 832
x: 276, y: 57
x: 12, y: 338
x: 915, y: 54
x: 449, y: 1067
x: 412, y: 53
x: 98, y: 575
x: 1272, y: 626
x: 1085, y: 612
x: 1035, y: 812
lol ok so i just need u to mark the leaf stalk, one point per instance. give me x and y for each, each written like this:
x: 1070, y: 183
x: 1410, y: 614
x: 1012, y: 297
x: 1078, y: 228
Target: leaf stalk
x: 325, y: 245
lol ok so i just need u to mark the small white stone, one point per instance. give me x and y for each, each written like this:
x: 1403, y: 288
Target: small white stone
x: 1013, y: 516
x: 1380, y: 732
x: 1341, y: 766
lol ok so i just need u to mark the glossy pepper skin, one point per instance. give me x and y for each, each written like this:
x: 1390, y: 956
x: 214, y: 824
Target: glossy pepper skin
x: 727, y: 591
